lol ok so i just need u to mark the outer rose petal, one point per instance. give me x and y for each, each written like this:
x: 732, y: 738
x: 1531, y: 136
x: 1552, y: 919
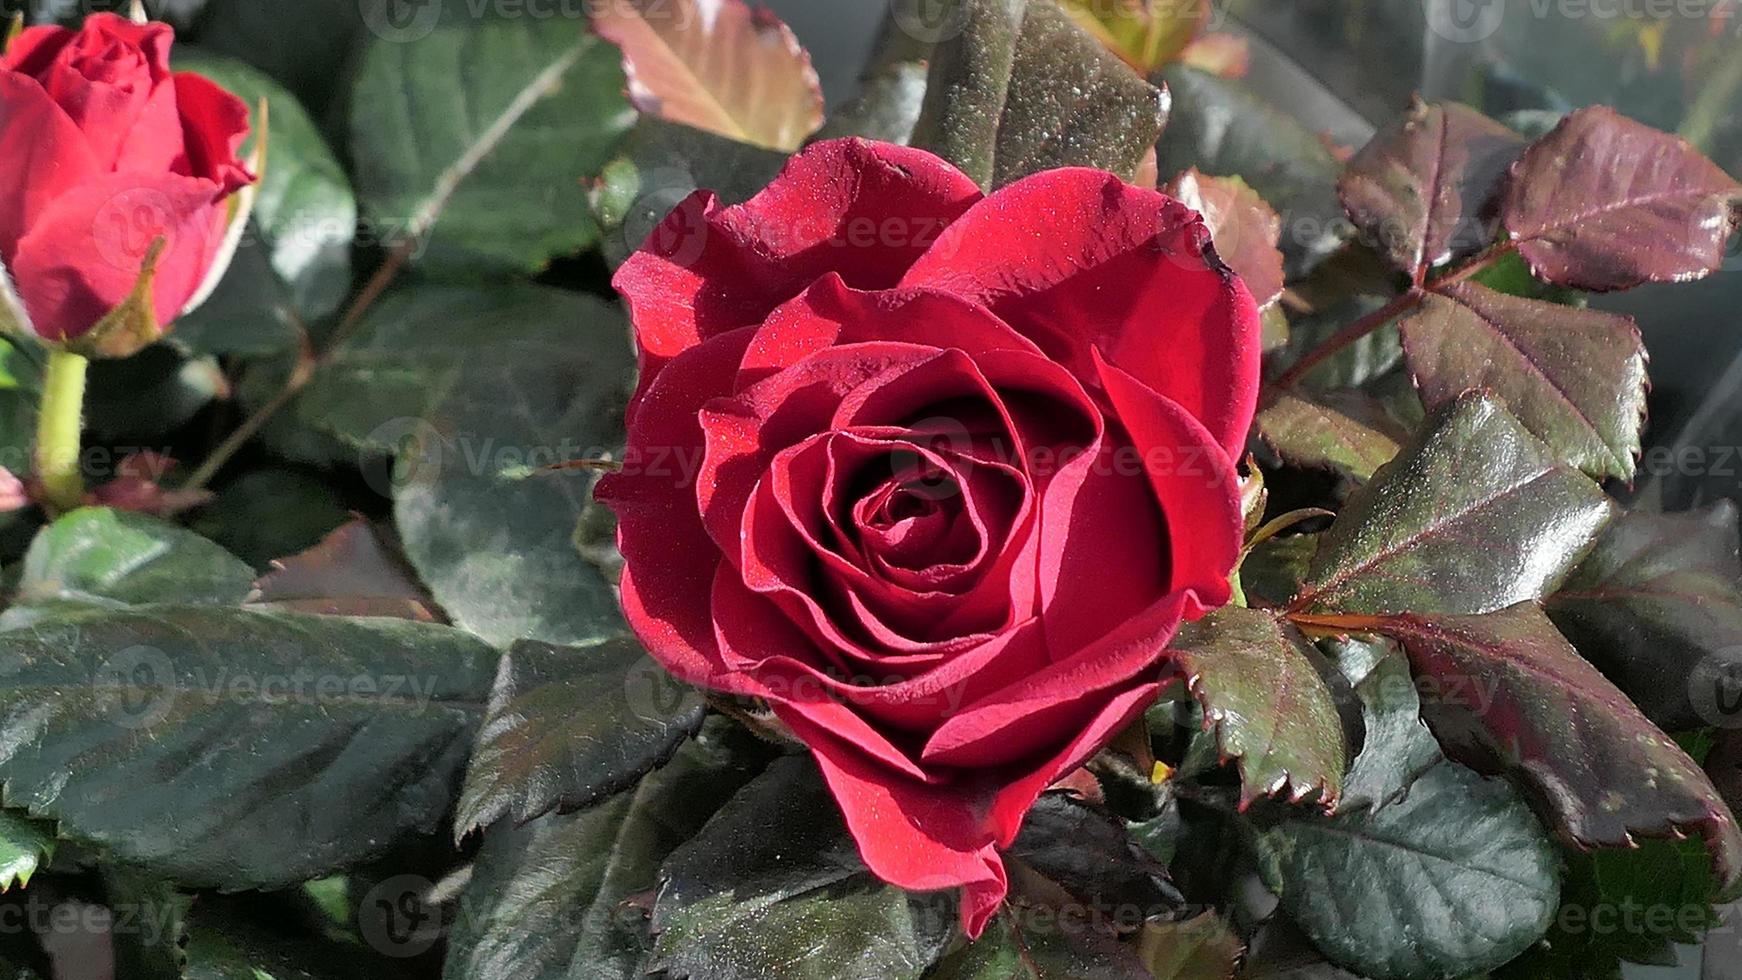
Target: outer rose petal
x: 1193, y: 481
x: 106, y: 76
x: 82, y: 257
x: 1078, y: 259
x: 668, y: 574
x: 35, y: 48
x: 42, y: 156
x: 214, y: 124
x: 862, y: 209
x: 914, y: 836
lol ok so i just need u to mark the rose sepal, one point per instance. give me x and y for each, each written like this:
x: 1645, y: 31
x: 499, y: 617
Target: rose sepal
x: 128, y: 328
x: 240, y: 206
x: 14, y: 27
x: 14, y: 321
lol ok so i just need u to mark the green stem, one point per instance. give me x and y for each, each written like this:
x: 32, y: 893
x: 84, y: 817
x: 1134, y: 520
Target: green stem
x: 58, y: 427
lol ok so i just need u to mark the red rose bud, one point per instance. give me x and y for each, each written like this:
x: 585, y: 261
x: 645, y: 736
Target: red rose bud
x: 119, y: 181
x: 936, y: 475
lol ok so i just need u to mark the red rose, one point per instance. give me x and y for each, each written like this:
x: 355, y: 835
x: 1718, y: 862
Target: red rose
x: 104, y: 150
x: 937, y: 475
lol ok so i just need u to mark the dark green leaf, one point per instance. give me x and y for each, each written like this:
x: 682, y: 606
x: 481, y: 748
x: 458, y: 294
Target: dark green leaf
x: 145, y: 398
x: 1658, y: 607
x: 271, y: 513
x: 491, y: 532
x: 1356, y: 366
x: 658, y: 166
x: 1476, y: 515
x: 222, y: 945
x: 98, y: 554
x: 149, y: 923
x: 1262, y: 694
x: 1455, y: 879
x: 306, y: 213
x: 1020, y: 89
x: 773, y: 886
x: 1273, y: 571
x: 224, y: 747
x: 1398, y: 747
x: 1514, y: 693
x: 1088, y: 853
x: 569, y: 725
x: 25, y: 845
x: 547, y: 900
x: 479, y: 133
x: 1625, y: 905
x: 1575, y: 378
x: 1223, y: 127
x: 1019, y: 946
x: 1348, y: 432
x: 1604, y: 202
x: 1421, y: 189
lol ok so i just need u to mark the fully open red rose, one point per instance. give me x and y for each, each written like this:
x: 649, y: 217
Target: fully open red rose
x: 104, y: 150
x: 937, y: 475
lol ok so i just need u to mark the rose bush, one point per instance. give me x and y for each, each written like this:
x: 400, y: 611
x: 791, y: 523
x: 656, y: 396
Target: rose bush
x: 103, y: 151
x: 935, y: 474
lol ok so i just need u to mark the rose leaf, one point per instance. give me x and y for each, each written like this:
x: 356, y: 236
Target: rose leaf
x: 306, y: 214
x: 1422, y: 187
x: 1604, y: 202
x: 1347, y: 432
x: 1398, y: 747
x: 1658, y: 607
x: 1264, y: 697
x: 1022, y: 947
x: 1089, y: 854
x: 1222, y: 126
x: 552, y: 899
x: 567, y: 726
x: 473, y: 140
x: 1513, y: 692
x: 350, y: 572
x: 1456, y: 878
x: 102, y: 556
x: 334, y: 735
x: 719, y: 65
x: 25, y: 846
x: 1244, y: 228
x: 1201, y: 948
x: 1016, y: 87
x: 1145, y: 35
x: 773, y: 880
x: 1476, y: 515
x: 1668, y: 882
x: 1575, y: 377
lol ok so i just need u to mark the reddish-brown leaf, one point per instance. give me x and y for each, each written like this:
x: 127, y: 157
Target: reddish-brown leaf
x: 1245, y: 229
x: 1421, y: 189
x: 1511, y: 690
x: 1604, y: 202
x: 1576, y: 378
x: 349, y: 573
x: 717, y: 65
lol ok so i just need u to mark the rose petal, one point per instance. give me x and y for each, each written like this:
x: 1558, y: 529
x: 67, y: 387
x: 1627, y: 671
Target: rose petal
x: 214, y: 124
x: 1077, y: 259
x: 82, y: 256
x: 35, y: 48
x: 1195, y: 483
x: 669, y: 560
x: 42, y: 154
x: 861, y: 209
